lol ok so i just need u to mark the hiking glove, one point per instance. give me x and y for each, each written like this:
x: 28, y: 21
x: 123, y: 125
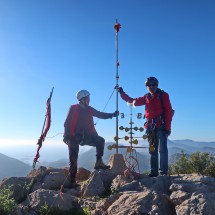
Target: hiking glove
x: 115, y: 114
x: 120, y: 89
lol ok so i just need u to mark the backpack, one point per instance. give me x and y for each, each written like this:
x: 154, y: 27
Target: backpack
x: 160, y: 92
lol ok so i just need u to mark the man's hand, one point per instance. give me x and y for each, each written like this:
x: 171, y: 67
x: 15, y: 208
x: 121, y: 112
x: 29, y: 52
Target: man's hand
x: 167, y: 132
x: 116, y: 113
x: 120, y: 89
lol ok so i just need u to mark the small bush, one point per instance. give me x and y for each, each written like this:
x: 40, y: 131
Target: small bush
x: 7, y: 202
x: 201, y: 163
x: 86, y: 211
x: 210, y: 170
x: 182, y: 166
x: 44, y: 209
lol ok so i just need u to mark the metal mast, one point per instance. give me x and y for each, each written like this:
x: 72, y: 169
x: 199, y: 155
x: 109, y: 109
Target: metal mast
x: 117, y: 26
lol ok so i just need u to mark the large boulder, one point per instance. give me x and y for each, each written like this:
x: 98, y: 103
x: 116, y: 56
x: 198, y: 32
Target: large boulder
x: 53, y: 199
x: 19, y: 186
x: 38, y: 174
x: 198, y: 203
x: 95, y: 186
x: 55, y: 179
x: 146, y: 202
x: 82, y: 174
x: 193, y: 194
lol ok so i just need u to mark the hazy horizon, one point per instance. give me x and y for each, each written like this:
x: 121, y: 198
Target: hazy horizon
x: 25, y: 151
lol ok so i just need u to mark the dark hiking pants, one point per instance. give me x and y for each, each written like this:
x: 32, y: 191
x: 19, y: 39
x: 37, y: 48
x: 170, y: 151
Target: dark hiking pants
x: 161, y: 147
x: 73, y: 146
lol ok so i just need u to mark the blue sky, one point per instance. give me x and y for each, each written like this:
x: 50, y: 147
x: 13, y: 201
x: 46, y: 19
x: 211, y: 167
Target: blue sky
x: 70, y: 45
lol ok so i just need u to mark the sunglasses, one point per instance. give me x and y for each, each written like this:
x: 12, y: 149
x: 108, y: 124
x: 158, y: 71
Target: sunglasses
x: 151, y: 85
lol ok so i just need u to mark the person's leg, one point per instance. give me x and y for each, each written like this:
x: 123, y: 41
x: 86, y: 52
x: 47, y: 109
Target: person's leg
x: 73, y: 158
x: 99, y: 143
x: 154, y: 160
x: 163, y: 150
x: 153, y: 150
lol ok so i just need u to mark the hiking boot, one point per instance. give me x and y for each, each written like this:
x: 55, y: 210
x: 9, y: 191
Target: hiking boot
x: 71, y: 179
x: 73, y: 182
x: 100, y: 165
x: 163, y: 174
x: 152, y: 175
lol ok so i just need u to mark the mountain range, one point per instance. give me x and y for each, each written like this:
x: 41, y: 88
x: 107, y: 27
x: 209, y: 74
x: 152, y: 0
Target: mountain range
x: 14, y: 167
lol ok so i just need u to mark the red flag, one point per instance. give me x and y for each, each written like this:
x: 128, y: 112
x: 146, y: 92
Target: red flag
x: 48, y: 118
x: 46, y: 125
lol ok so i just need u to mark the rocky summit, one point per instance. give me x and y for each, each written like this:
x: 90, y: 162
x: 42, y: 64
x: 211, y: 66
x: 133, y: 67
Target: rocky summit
x: 111, y: 192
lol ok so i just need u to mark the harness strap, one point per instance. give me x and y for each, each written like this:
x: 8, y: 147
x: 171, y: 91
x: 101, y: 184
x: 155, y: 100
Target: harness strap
x: 157, y: 119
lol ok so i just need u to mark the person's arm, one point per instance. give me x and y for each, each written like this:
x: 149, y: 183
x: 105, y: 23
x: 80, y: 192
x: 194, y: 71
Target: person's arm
x: 167, y: 112
x: 140, y: 101
x: 137, y: 101
x: 103, y: 115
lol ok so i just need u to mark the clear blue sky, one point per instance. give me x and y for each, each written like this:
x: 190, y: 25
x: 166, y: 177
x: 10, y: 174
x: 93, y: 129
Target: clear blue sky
x: 70, y: 45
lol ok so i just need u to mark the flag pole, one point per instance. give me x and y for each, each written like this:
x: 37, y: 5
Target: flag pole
x: 117, y: 26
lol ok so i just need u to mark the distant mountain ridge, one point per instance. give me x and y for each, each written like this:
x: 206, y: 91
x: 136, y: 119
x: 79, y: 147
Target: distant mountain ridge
x: 87, y: 159
x: 12, y: 167
x: 190, y: 146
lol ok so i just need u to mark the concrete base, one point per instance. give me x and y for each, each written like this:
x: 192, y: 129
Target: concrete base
x: 117, y: 163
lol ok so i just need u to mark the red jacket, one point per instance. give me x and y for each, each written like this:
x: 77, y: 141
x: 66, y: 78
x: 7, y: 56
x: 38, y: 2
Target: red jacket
x: 153, y: 106
x: 80, y: 118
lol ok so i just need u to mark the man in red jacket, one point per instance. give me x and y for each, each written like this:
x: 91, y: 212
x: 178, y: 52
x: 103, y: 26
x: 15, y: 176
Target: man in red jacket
x: 79, y: 129
x: 158, y: 114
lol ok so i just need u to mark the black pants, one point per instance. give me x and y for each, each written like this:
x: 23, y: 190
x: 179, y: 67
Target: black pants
x: 161, y: 147
x: 73, y: 146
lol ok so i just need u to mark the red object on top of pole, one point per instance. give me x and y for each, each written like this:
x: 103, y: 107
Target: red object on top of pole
x: 117, y: 26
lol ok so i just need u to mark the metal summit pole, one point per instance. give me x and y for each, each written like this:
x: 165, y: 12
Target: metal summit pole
x: 117, y: 26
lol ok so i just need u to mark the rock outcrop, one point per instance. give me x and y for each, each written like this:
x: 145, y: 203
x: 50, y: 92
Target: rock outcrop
x: 106, y: 192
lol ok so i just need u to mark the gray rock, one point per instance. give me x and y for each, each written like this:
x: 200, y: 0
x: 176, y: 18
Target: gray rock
x: 193, y: 194
x: 24, y: 210
x: 163, y: 195
x: 38, y: 174
x: 198, y: 203
x: 20, y: 187
x: 95, y: 186
x: 104, y: 204
x: 141, y: 203
x: 179, y: 196
x: 82, y: 174
x: 52, y: 198
x: 54, y: 180
x: 119, y: 182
